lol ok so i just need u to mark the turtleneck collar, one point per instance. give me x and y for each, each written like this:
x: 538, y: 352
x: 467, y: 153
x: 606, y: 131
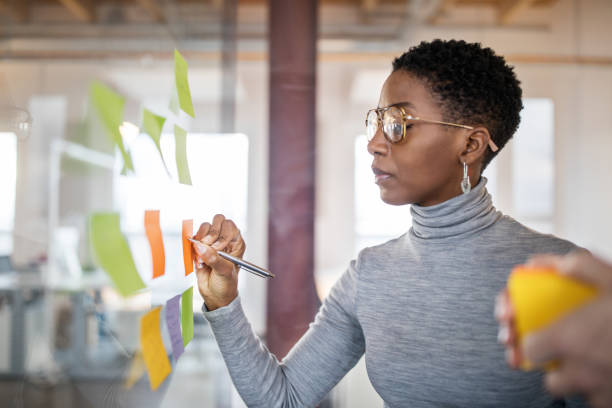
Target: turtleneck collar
x: 464, y: 214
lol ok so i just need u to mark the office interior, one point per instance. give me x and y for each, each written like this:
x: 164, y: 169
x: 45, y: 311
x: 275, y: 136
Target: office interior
x: 66, y: 334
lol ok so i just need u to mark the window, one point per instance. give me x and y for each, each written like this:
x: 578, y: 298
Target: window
x: 533, y: 166
x: 8, y: 178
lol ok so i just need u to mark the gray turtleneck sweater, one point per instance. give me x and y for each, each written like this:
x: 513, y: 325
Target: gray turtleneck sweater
x: 421, y: 309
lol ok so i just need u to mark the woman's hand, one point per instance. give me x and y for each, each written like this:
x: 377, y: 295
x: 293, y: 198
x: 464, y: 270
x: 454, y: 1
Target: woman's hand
x: 217, y: 277
x: 582, y: 340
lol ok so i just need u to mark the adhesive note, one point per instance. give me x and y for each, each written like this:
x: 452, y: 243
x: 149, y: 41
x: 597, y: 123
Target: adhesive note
x: 173, y: 323
x: 187, y: 258
x: 152, y: 125
x: 109, y: 106
x: 153, y: 351
x: 187, y: 315
x: 154, y: 235
x: 136, y: 370
x: 540, y: 296
x: 111, y: 250
x: 182, y: 84
x: 180, y: 137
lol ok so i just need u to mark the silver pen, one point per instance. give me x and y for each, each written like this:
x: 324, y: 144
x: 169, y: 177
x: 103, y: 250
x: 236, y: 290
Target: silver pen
x: 241, y: 263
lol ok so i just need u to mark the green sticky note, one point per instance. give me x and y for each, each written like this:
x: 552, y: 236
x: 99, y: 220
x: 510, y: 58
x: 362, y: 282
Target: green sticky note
x: 152, y: 125
x: 187, y: 315
x: 112, y: 252
x: 109, y: 106
x: 182, y: 84
x: 180, y: 138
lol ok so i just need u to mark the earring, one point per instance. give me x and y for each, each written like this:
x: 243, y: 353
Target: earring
x: 465, y: 183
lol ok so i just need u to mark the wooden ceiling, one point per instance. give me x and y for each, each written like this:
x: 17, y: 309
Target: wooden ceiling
x: 157, y: 11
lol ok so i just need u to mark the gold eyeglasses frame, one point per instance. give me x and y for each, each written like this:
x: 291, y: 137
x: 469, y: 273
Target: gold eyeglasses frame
x: 406, y: 116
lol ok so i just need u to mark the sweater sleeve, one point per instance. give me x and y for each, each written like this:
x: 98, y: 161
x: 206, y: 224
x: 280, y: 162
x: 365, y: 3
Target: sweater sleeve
x: 330, y: 347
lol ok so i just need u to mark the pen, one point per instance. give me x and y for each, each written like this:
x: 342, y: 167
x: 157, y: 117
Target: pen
x: 241, y: 263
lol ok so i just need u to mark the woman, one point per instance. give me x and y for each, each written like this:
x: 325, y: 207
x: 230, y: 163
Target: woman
x: 419, y: 306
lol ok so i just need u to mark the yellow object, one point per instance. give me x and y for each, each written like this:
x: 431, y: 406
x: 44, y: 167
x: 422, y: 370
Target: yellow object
x: 136, y: 370
x: 540, y: 296
x: 153, y: 351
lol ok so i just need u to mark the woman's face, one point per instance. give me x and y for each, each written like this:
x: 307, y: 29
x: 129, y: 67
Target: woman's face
x: 424, y: 169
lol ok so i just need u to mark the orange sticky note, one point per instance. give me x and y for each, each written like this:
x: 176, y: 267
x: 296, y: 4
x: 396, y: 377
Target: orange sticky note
x: 540, y: 296
x: 153, y: 351
x: 187, y: 258
x: 154, y: 235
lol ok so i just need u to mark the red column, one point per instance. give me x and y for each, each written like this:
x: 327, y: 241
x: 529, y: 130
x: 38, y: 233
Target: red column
x: 292, y: 300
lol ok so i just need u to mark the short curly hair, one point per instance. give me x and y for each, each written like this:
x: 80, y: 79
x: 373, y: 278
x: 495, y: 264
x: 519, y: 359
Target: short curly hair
x: 472, y: 85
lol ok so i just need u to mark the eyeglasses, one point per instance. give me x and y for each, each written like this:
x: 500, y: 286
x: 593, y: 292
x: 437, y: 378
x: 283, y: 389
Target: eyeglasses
x: 395, y: 121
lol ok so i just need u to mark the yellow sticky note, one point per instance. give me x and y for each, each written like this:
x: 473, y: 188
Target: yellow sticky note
x: 153, y: 351
x: 136, y: 370
x: 541, y: 296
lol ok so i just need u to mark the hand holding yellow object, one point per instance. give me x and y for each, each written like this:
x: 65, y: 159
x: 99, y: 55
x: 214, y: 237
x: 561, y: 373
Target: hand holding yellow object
x: 540, y: 296
x: 581, y: 339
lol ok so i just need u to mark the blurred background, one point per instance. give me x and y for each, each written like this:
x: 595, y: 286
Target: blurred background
x: 66, y: 336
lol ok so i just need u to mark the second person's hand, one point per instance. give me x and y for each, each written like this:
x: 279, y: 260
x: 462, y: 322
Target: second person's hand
x: 217, y: 277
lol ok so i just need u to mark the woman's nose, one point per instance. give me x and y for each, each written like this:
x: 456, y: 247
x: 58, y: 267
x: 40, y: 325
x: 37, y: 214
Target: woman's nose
x: 378, y: 144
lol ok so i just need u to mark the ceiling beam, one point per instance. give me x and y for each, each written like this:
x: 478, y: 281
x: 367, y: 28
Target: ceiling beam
x: 81, y: 9
x: 153, y: 9
x: 345, y: 57
x: 19, y: 10
x: 510, y: 9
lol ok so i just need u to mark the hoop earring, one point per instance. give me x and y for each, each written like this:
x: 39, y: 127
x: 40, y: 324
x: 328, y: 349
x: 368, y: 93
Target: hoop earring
x: 465, y: 182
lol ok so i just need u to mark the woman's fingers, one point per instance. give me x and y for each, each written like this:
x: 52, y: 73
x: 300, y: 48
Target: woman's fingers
x: 215, y: 229
x: 580, y: 265
x: 227, y: 232
x: 544, y: 261
x: 503, y: 307
x: 218, y: 264
x: 196, y: 251
x: 504, y: 313
x: 237, y: 246
x: 202, y: 231
x: 585, y: 267
x: 575, y: 376
x: 221, y: 235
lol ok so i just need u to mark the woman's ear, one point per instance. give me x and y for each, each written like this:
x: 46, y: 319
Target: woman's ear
x: 476, y: 144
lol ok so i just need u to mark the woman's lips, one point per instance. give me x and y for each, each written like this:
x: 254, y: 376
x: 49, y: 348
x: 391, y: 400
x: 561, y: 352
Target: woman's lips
x: 380, y: 176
